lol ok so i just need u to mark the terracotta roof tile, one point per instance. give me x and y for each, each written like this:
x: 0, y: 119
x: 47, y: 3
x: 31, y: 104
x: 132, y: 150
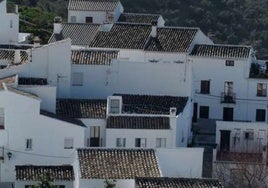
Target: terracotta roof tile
x: 138, y: 18
x: 137, y: 122
x: 117, y: 163
x: 81, y: 108
x: 152, y: 104
x: 137, y: 36
x: 33, y: 173
x: 177, y: 183
x: 121, y: 36
x: 9, y: 55
x: 93, y: 57
x: 172, y: 39
x: 81, y: 34
x: 222, y: 51
x: 93, y: 5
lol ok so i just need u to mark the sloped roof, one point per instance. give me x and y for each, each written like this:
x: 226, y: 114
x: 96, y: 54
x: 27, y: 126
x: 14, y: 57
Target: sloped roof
x: 79, y: 33
x: 34, y: 173
x: 138, y: 18
x: 172, y: 39
x: 165, y: 182
x: 129, y: 36
x: 221, y: 51
x: 152, y: 104
x: 93, y: 5
x: 93, y: 57
x: 137, y: 36
x: 137, y: 122
x: 117, y: 163
x: 61, y: 118
x: 23, y: 93
x: 81, y: 108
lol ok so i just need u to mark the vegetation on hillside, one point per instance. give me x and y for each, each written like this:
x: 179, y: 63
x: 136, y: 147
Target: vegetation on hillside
x: 225, y: 21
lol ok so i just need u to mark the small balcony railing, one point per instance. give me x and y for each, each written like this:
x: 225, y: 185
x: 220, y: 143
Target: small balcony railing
x: 228, y: 97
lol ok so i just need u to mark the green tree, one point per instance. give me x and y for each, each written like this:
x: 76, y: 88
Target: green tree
x: 46, y: 181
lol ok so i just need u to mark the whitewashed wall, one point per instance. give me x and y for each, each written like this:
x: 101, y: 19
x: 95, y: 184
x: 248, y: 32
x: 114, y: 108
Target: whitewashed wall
x: 46, y: 133
x: 46, y: 93
x: 9, y: 32
x: 181, y: 162
x: 52, y: 61
x: 243, y: 145
x: 214, y: 69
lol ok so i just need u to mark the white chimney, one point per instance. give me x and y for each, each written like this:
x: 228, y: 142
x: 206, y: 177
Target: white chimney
x: 37, y: 41
x: 154, y: 29
x: 16, y: 9
x: 57, y: 25
x: 173, y: 111
x: 17, y: 58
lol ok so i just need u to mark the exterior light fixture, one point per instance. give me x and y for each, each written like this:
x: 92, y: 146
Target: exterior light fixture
x: 9, y: 155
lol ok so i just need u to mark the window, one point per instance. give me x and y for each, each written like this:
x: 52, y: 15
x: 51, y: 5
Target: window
x: 248, y: 135
x: 260, y: 114
x: 89, y: 20
x: 77, y: 79
x: 73, y: 19
x: 140, y: 142
x: 205, y: 87
x: 29, y: 144
x: 228, y: 88
x: 204, y: 112
x: 114, y: 106
x: 161, y: 142
x: 120, y: 142
x: 68, y: 143
x: 261, y: 89
x: 229, y: 63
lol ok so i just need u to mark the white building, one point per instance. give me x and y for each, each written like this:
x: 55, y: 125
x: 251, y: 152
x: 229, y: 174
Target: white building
x: 222, y: 84
x: 148, y: 121
x: 121, y: 166
x: 31, y: 137
x: 92, y: 11
x: 9, y: 33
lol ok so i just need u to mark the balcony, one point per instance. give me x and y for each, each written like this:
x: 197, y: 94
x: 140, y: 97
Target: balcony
x: 240, y: 157
x: 228, y: 97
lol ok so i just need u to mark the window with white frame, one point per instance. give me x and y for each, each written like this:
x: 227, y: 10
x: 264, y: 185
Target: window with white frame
x: 77, y: 79
x: 261, y: 89
x: 120, y: 142
x: 29, y: 144
x: 140, y: 142
x: 161, y: 142
x: 114, y: 106
x: 68, y: 143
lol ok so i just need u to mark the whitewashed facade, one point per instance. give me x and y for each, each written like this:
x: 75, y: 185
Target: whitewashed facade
x: 9, y: 33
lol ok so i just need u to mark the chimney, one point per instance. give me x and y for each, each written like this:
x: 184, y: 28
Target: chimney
x: 173, y: 111
x: 154, y: 29
x: 16, y: 9
x: 17, y: 58
x: 57, y: 25
x: 37, y: 41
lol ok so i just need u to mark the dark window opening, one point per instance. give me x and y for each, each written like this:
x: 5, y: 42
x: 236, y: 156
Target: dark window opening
x: 205, y: 87
x: 260, y: 115
x: 204, y: 112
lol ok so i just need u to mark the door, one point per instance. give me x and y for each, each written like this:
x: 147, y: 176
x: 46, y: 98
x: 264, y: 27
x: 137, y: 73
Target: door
x: 228, y: 114
x: 225, y: 141
x: 228, y: 88
x: 94, y: 136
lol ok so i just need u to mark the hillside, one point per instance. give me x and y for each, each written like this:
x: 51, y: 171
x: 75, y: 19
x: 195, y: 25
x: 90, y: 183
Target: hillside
x: 226, y: 21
